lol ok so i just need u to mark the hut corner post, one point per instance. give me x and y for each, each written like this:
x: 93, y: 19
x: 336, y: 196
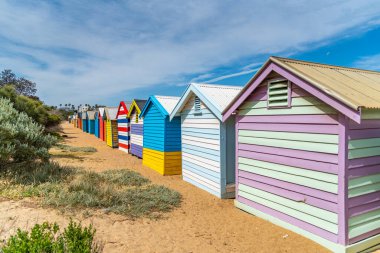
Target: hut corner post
x: 237, y: 119
x: 343, y: 181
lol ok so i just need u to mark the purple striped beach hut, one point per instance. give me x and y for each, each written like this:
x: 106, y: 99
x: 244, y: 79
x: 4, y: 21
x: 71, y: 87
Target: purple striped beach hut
x: 308, y: 151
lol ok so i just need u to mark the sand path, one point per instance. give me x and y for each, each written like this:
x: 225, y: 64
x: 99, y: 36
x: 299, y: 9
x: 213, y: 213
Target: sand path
x: 203, y: 223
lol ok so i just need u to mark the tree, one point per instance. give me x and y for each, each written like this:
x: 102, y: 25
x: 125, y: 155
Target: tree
x: 22, y: 85
x: 21, y: 138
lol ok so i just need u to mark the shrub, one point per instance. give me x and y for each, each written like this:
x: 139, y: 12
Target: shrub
x: 32, y: 107
x: 47, y: 238
x: 21, y: 139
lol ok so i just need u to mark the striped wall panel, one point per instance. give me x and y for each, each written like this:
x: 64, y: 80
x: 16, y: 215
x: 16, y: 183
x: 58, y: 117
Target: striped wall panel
x: 201, y: 150
x: 136, y: 134
x: 287, y: 161
x: 112, y: 133
x: 123, y: 129
x: 364, y: 179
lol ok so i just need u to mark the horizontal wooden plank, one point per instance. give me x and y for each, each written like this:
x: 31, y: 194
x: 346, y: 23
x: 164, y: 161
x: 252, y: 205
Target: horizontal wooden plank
x: 296, y: 102
x: 329, y: 119
x: 363, y: 152
x: 364, y: 218
x: 362, y: 190
x: 363, y: 134
x: 296, y: 205
x: 313, y: 156
x: 321, y: 176
x: 203, y: 171
x: 331, y: 197
x: 306, y: 137
x: 304, y: 110
x: 291, y: 161
x: 297, y: 128
x: 312, y: 232
x: 208, y: 183
x: 196, y: 125
x: 328, y: 226
x: 364, y: 143
x: 212, y: 165
x: 364, y: 227
x: 200, y: 139
x: 201, y: 121
x: 290, y: 193
x: 300, y: 180
x: 298, y: 145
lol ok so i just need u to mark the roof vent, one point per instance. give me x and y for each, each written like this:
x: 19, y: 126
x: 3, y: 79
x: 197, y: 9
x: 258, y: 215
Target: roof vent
x: 278, y: 93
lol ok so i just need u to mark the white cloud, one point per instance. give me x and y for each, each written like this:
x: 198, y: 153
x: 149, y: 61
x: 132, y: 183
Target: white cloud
x: 368, y: 62
x: 94, y: 51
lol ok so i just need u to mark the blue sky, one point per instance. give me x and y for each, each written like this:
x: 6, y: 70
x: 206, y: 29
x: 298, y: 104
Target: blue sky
x: 102, y: 52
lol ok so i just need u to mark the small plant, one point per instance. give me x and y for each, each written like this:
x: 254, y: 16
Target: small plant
x: 47, y: 238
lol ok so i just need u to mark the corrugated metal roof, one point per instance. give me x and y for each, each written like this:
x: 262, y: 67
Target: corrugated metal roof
x: 140, y: 103
x: 168, y: 102
x: 111, y: 112
x: 101, y: 111
x: 354, y: 87
x: 91, y: 115
x: 221, y: 95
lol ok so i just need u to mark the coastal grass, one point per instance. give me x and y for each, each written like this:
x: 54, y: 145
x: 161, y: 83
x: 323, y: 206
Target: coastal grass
x: 119, y: 191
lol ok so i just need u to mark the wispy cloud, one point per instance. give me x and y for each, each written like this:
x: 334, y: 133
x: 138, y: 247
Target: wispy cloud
x: 369, y: 62
x: 89, y: 52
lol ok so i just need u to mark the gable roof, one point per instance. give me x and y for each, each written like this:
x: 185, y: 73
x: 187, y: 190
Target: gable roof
x: 216, y: 97
x: 125, y: 105
x: 354, y: 87
x: 100, y: 111
x: 91, y: 115
x: 111, y: 113
x: 347, y: 89
x: 165, y: 104
x: 138, y: 104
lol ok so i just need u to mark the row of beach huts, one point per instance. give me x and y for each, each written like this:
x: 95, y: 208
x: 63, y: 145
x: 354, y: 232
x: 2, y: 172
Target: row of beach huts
x: 298, y: 145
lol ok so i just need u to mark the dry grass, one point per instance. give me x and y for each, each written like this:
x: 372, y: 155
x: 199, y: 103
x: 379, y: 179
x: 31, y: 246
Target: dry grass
x: 119, y: 191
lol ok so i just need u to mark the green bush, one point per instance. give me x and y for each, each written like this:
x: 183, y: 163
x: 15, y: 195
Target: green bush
x: 32, y: 107
x: 21, y: 139
x: 47, y: 238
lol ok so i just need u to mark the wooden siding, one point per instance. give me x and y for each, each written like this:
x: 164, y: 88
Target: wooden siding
x: 112, y: 134
x: 201, y: 162
x: 136, y: 135
x: 161, y: 142
x: 91, y: 126
x: 97, y: 127
x: 85, y: 125
x: 123, y: 129
x: 364, y: 179
x: 165, y: 163
x: 287, y: 161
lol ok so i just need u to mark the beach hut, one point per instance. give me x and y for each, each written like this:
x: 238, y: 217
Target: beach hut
x: 96, y: 131
x: 208, y: 145
x: 136, y: 123
x: 162, y: 137
x: 101, y: 124
x: 308, y: 151
x: 84, y: 122
x: 110, y: 118
x: 123, y: 126
x: 79, y: 120
x: 91, y: 122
